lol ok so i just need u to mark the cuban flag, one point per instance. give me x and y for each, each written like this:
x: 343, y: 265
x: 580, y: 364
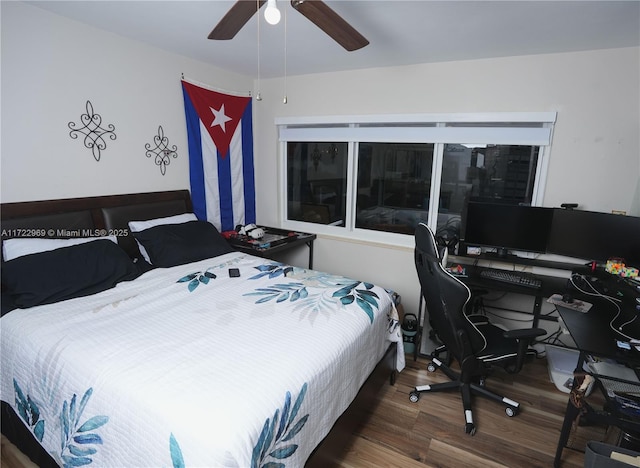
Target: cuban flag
x: 220, y: 134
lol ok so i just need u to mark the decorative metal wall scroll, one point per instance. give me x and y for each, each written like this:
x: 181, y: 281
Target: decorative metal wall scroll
x: 94, y: 134
x: 161, y: 152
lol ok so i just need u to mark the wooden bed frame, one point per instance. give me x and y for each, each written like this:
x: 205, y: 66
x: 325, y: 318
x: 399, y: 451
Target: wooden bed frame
x: 109, y: 215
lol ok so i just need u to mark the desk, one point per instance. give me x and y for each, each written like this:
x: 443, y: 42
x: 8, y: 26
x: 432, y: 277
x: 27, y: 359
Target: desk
x: 593, y: 335
x: 550, y: 285
x: 301, y: 238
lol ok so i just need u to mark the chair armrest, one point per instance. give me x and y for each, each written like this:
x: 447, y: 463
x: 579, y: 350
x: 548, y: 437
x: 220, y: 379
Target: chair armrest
x: 524, y: 337
x: 524, y: 333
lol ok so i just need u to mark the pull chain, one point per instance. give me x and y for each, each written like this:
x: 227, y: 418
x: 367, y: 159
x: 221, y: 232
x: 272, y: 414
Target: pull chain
x: 258, y: 95
x: 284, y: 100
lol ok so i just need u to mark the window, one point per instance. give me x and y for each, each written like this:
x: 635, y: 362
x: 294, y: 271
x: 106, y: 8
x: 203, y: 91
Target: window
x: 480, y: 172
x: 393, y: 186
x: 317, y: 182
x: 376, y: 178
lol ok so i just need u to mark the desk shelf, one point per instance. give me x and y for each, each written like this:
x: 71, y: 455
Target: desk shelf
x: 513, y: 259
x: 607, y: 413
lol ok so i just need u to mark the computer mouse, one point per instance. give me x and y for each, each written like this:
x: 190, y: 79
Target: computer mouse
x: 568, y: 298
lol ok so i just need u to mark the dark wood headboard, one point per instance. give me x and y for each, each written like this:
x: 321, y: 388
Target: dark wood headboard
x: 91, y: 216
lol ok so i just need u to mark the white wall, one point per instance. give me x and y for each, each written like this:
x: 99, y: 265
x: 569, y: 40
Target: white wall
x: 595, y: 155
x: 51, y: 66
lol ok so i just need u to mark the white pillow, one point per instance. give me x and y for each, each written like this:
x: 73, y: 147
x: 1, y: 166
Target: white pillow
x: 17, y: 247
x: 137, y: 226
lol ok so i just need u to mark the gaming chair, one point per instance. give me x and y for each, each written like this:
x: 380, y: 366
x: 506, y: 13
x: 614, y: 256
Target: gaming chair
x: 471, y: 340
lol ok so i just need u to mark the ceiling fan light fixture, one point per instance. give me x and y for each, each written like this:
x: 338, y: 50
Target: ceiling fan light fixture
x: 271, y: 13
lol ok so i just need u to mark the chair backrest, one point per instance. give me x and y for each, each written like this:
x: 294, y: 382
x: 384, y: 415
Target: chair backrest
x: 446, y: 298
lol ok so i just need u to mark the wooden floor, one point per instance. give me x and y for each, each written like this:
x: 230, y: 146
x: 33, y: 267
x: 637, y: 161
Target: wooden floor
x: 430, y: 433
x: 11, y: 457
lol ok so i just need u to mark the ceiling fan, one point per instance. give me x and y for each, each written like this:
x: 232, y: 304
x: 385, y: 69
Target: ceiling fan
x: 316, y: 11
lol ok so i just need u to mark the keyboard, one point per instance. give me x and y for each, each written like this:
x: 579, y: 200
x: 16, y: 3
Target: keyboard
x: 517, y: 278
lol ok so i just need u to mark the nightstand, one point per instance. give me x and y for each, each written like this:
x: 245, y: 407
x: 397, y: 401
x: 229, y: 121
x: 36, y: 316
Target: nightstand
x: 274, y: 241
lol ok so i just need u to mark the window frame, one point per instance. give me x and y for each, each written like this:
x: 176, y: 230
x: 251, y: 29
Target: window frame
x: 515, y: 128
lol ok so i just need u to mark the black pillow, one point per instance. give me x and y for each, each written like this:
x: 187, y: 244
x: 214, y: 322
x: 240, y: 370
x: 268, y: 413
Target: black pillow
x: 6, y: 303
x: 176, y: 244
x: 65, y: 273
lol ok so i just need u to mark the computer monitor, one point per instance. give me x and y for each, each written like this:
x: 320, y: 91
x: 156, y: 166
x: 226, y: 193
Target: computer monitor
x: 595, y: 236
x: 507, y: 227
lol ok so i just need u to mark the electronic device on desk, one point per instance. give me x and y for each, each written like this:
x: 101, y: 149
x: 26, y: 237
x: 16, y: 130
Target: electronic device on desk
x: 517, y: 278
x: 567, y: 301
x: 457, y: 270
x: 595, y: 236
x: 250, y: 230
x: 507, y: 227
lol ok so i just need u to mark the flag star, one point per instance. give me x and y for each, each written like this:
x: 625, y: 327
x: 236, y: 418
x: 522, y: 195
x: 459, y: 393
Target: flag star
x: 220, y: 118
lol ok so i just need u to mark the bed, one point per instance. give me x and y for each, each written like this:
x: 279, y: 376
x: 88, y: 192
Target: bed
x: 139, y: 349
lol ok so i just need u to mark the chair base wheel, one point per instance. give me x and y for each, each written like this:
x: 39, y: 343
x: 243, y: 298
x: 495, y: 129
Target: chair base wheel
x: 414, y: 397
x: 431, y: 367
x: 511, y: 412
x: 470, y: 428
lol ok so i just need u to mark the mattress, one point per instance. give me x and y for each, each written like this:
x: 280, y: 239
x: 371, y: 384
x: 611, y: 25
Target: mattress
x: 186, y: 366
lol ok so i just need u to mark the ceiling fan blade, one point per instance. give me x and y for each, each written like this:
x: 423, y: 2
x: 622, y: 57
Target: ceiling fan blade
x: 320, y: 14
x: 235, y: 19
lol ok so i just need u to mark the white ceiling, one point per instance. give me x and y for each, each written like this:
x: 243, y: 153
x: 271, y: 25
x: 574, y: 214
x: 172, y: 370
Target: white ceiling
x: 399, y: 32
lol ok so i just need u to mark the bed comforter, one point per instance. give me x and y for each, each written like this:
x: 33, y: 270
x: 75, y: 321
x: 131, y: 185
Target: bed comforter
x: 185, y: 366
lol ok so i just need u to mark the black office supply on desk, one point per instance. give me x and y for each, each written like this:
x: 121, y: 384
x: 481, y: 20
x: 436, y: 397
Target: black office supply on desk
x: 512, y: 277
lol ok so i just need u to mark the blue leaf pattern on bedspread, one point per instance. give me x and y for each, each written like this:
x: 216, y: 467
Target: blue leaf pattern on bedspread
x: 273, y: 270
x: 280, y: 292
x: 347, y: 290
x: 176, y: 453
x: 274, y: 440
x: 365, y: 298
x: 76, y: 438
x: 343, y: 290
x: 28, y: 410
x: 197, y: 278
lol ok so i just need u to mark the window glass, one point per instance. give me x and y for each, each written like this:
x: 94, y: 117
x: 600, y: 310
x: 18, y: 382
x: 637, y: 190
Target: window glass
x: 317, y: 182
x: 501, y: 173
x: 393, y: 184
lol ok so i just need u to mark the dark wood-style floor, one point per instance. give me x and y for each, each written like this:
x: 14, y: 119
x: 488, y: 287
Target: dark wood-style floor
x: 430, y: 433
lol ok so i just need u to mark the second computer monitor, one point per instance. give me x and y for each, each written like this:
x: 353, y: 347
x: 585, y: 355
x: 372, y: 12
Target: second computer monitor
x: 595, y: 236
